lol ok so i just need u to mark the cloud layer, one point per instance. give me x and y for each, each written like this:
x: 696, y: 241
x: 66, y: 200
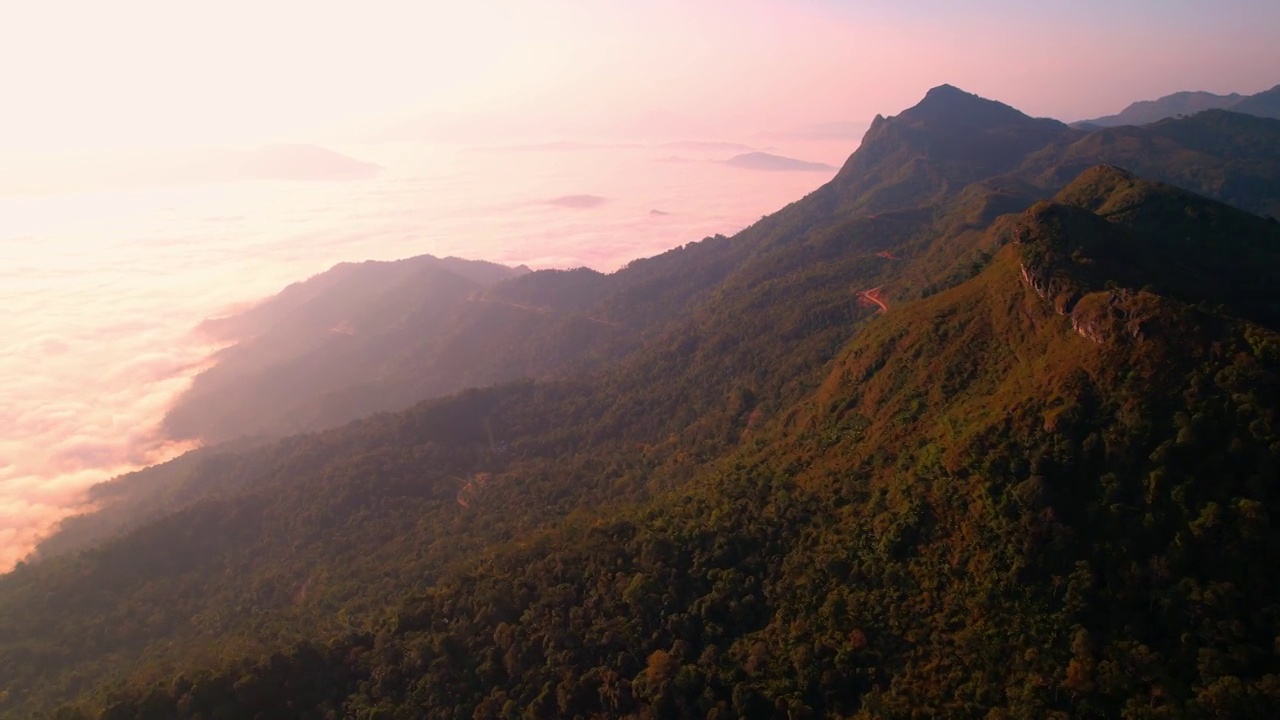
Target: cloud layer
x: 102, y: 290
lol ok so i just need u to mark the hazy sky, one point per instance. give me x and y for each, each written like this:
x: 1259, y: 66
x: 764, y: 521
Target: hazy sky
x: 80, y: 73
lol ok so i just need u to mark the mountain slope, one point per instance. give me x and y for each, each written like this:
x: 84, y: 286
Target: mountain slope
x: 319, y: 336
x: 967, y: 499
x: 1228, y: 156
x: 948, y: 140
x: 775, y: 163
x: 1185, y: 247
x: 1001, y: 501
x: 734, y: 314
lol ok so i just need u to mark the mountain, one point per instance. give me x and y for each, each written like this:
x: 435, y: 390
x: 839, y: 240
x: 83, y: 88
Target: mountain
x: 1229, y: 156
x: 318, y: 338
x: 373, y: 337
x: 775, y: 163
x: 946, y: 142
x: 412, y: 346
x: 558, y: 324
x: 1264, y: 104
x: 938, y: 442
x: 578, y: 202
x: 1179, y: 103
x: 1212, y: 253
x: 301, y: 162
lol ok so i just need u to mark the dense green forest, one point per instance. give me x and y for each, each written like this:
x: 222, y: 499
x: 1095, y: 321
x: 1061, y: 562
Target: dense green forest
x: 957, y: 435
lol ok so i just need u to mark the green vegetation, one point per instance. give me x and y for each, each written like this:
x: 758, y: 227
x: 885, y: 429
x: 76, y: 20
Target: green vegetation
x: 1042, y: 483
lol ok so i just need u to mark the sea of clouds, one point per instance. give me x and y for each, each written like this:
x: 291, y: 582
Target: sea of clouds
x: 101, y: 288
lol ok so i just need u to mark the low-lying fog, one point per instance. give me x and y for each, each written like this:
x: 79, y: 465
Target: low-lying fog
x: 102, y: 287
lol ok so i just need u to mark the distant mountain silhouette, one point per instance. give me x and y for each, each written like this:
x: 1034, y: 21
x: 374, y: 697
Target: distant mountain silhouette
x: 577, y: 202
x: 775, y: 163
x: 301, y: 162
x: 1263, y: 104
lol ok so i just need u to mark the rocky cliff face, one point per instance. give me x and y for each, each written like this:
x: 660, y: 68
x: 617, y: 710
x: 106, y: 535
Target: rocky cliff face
x: 1067, y: 255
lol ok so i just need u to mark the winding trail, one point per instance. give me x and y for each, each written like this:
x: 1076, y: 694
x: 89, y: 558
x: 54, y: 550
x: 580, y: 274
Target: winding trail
x: 873, y: 295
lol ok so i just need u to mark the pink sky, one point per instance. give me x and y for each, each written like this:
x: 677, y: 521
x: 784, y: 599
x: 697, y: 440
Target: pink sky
x: 155, y: 72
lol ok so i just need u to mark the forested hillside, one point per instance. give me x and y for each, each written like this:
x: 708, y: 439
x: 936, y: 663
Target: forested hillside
x: 954, y: 436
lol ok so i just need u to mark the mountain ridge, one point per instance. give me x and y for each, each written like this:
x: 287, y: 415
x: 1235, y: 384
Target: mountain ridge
x: 847, y: 510
x: 1262, y: 104
x: 622, y: 312
x: 949, y: 139
x: 1035, y: 485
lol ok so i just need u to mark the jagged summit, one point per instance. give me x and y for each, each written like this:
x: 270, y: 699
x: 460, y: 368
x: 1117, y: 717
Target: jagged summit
x: 947, y: 140
x: 950, y: 104
x: 947, y: 93
x: 947, y: 89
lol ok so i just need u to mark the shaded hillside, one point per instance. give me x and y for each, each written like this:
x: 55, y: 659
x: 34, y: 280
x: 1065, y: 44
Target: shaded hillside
x: 129, y: 501
x: 1160, y: 237
x: 1228, y: 156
